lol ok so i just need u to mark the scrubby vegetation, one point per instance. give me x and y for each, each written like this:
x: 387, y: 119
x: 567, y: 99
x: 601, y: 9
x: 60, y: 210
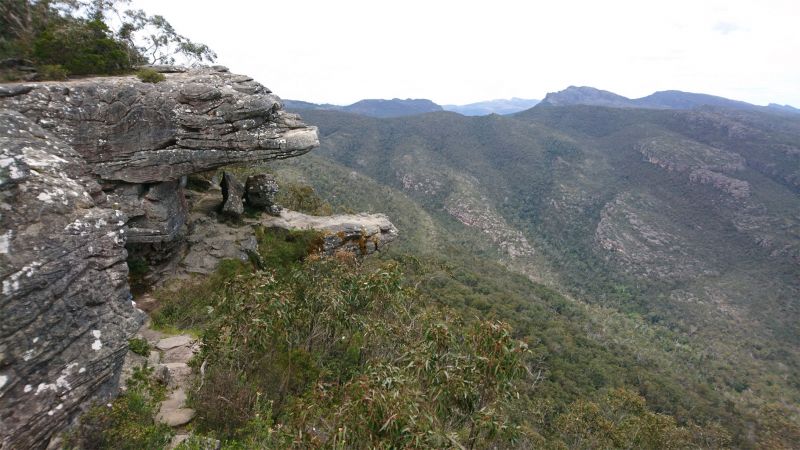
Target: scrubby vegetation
x: 150, y: 76
x: 139, y: 346
x: 343, y: 357
x: 336, y: 352
x: 711, y: 341
x: 74, y: 37
x: 128, y: 422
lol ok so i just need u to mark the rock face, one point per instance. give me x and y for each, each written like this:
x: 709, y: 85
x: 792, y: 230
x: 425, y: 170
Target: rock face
x: 232, y: 194
x: 196, y: 120
x: 151, y: 135
x: 211, y: 242
x: 86, y: 168
x: 260, y: 191
x: 65, y: 304
x: 360, y: 233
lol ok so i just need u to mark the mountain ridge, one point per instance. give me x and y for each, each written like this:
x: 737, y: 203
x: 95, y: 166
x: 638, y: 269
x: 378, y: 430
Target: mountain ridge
x: 381, y: 108
x: 496, y: 106
x: 572, y: 95
x: 668, y: 99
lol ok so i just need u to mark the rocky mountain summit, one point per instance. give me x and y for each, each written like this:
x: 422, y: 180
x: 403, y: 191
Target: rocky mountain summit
x: 90, y: 171
x: 585, y: 95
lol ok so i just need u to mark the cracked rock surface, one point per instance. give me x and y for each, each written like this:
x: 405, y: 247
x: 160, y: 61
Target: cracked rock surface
x: 194, y: 121
x: 143, y: 139
x: 87, y: 167
x: 65, y: 304
x: 362, y: 234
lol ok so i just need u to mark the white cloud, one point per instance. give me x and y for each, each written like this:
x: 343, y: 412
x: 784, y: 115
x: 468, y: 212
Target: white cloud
x: 464, y: 51
x: 726, y: 27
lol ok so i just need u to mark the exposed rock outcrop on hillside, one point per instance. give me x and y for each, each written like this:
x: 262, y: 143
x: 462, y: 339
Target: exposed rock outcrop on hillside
x: 88, y: 166
x: 65, y: 305
x: 704, y: 164
x: 631, y: 237
x: 360, y: 233
x: 211, y: 241
x: 142, y: 138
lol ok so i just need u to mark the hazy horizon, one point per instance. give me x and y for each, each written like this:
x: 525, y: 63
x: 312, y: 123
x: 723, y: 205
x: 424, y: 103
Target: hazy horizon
x: 466, y: 52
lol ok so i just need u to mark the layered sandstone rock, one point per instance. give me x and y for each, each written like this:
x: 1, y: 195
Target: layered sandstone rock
x: 87, y: 167
x: 143, y: 138
x: 65, y: 305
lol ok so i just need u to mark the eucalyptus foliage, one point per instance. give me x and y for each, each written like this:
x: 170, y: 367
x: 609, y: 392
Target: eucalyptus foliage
x: 91, y: 37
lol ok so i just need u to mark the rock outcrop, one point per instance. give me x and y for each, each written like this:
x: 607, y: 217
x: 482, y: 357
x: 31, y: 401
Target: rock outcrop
x: 703, y: 164
x: 88, y: 167
x: 143, y: 138
x: 211, y: 241
x: 152, y: 132
x: 232, y: 195
x: 361, y: 234
x: 65, y: 305
x: 260, y: 191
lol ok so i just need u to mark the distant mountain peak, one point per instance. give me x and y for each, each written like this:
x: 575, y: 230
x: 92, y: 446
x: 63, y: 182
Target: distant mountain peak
x: 497, y: 106
x: 373, y: 107
x: 585, y: 95
x: 668, y: 99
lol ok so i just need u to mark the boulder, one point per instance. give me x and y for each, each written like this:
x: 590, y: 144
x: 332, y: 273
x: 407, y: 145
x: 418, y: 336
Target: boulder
x: 172, y: 342
x: 173, y: 410
x: 260, y: 191
x: 65, y: 305
x: 232, y: 194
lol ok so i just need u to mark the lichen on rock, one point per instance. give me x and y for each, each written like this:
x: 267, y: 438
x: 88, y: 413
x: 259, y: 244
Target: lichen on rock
x: 142, y: 139
x: 65, y: 302
x: 87, y: 167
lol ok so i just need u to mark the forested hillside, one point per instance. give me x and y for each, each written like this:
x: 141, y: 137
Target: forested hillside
x: 673, y: 233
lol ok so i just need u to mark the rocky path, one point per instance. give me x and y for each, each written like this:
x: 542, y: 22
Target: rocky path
x: 170, y: 356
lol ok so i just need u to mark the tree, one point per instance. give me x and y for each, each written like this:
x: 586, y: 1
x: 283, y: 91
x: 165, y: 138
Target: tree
x: 156, y: 40
x: 91, y: 36
x: 82, y: 47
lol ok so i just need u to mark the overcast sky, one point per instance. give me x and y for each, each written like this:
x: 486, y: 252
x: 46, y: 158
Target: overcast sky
x: 341, y: 51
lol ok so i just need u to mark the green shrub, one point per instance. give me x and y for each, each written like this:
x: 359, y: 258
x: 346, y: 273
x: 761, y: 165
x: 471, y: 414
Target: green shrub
x: 52, y: 72
x: 341, y: 356
x: 128, y: 423
x: 279, y: 249
x: 150, y: 76
x: 303, y: 198
x: 190, y: 304
x: 82, y: 48
x: 139, y: 346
